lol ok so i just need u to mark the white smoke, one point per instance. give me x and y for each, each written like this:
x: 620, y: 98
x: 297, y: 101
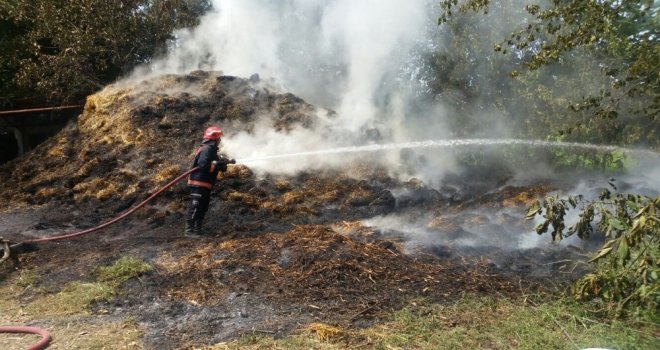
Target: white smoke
x: 326, y: 51
x: 357, y: 57
x: 353, y: 57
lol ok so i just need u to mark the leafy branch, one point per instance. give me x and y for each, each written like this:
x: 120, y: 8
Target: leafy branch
x: 628, y: 263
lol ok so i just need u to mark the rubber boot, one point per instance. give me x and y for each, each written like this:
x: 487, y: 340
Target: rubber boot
x: 190, y: 229
x: 197, y: 228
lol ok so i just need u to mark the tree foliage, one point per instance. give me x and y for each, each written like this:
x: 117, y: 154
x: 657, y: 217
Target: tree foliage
x: 621, y: 39
x: 583, y: 71
x: 60, y: 50
x: 628, y: 264
x: 468, y: 76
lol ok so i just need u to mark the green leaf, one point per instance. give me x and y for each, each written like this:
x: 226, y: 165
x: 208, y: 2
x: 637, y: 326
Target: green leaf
x: 601, y: 253
x: 624, y: 252
x: 617, y: 224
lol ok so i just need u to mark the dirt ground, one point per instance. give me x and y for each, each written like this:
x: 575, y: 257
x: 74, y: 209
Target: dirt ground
x: 283, y: 251
x: 207, y: 290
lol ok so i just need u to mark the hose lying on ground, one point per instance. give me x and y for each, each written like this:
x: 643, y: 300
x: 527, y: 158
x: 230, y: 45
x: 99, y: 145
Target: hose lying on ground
x: 106, y: 224
x: 45, y: 337
x: 7, y: 248
x: 96, y: 228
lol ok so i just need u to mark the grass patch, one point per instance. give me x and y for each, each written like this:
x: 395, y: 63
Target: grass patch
x: 81, y: 334
x: 27, y: 279
x: 123, y: 335
x: 8, y: 302
x: 60, y: 313
x: 11, y: 290
x: 77, y: 296
x: 502, y: 324
x: 74, y: 298
x: 479, y: 323
x: 258, y: 341
x: 122, y: 270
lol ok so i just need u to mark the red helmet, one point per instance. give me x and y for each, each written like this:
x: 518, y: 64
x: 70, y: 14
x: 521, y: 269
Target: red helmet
x: 213, y: 133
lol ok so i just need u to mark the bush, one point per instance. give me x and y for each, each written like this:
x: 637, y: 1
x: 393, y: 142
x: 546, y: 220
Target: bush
x: 627, y: 266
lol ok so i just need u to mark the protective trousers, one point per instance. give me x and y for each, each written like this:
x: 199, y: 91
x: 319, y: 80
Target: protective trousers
x: 197, y: 207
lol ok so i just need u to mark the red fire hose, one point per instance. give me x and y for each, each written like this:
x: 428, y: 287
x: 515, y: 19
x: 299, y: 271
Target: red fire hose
x: 45, y: 337
x: 106, y: 224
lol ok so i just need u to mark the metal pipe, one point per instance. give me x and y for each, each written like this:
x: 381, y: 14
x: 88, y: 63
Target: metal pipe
x: 43, y: 109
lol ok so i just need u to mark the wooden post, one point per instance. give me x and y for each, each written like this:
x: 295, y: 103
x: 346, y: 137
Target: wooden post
x: 20, y: 141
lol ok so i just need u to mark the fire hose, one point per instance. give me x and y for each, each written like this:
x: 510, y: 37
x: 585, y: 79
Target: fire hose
x: 96, y: 228
x: 45, y: 337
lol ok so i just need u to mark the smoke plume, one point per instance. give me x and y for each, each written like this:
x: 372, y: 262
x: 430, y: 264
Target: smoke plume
x: 365, y: 60
x: 357, y: 58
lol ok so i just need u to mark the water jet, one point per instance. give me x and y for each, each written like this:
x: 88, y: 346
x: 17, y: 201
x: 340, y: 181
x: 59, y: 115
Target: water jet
x: 452, y: 144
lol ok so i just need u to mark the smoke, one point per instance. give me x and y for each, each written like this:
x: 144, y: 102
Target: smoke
x: 336, y: 54
x: 505, y: 229
x: 367, y: 60
x: 358, y: 58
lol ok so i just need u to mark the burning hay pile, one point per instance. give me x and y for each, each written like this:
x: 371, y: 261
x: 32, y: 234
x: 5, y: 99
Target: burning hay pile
x: 131, y: 139
x: 298, y: 245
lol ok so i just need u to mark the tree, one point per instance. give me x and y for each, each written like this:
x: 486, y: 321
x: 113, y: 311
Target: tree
x: 621, y: 36
x: 560, y: 48
x: 62, y: 50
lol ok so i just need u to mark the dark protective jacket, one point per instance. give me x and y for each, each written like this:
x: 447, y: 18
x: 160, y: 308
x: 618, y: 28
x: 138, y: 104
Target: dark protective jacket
x: 209, y: 163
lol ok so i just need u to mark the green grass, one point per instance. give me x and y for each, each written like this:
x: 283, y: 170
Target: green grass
x: 502, y: 324
x: 74, y: 298
x: 77, y: 296
x: 27, y: 279
x: 476, y: 323
x: 122, y: 270
x: 61, y: 312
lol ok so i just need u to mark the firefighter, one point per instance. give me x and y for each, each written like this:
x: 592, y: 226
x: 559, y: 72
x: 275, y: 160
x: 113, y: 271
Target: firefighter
x: 201, y: 181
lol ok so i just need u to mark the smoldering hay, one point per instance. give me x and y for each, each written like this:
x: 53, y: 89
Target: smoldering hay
x: 356, y: 58
x: 360, y: 59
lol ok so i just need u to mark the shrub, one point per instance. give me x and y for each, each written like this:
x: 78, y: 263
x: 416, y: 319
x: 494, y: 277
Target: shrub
x: 627, y: 266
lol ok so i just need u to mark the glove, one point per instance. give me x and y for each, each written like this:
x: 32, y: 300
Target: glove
x: 220, y: 165
x: 231, y: 161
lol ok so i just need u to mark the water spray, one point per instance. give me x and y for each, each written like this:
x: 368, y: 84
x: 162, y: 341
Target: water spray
x: 451, y: 144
